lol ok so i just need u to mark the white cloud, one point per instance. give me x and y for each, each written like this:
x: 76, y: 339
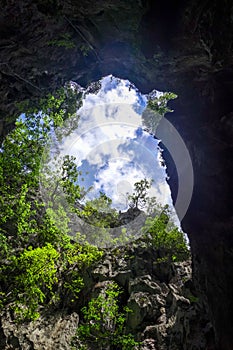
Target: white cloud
x: 106, y: 138
x: 117, y: 179
x: 161, y: 191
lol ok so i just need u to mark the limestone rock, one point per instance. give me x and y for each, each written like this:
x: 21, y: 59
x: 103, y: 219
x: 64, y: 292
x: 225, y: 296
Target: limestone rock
x: 166, y: 311
x: 51, y: 332
x: 185, y: 47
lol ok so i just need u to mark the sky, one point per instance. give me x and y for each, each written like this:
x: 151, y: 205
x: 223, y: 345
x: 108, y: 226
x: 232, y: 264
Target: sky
x: 110, y: 146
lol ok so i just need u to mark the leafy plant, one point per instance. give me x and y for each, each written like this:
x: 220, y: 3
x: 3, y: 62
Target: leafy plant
x: 64, y: 40
x: 75, y: 258
x: 22, y: 211
x: 166, y: 237
x: 36, y: 275
x: 159, y: 104
x: 99, y: 212
x: 155, y: 110
x: 103, y: 324
x: 159, y: 229
x: 140, y: 197
x: 34, y: 238
x: 85, y: 49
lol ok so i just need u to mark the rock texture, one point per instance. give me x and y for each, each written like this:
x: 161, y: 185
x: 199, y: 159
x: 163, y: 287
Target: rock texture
x: 50, y: 332
x: 167, y: 312
x: 185, y: 47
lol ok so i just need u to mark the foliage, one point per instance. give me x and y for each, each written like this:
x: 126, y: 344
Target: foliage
x: 64, y: 40
x: 159, y: 229
x: 159, y: 104
x: 56, y: 107
x: 77, y: 257
x: 35, y: 276
x: 98, y: 219
x: 22, y: 150
x: 3, y: 245
x: 85, y: 49
x: 156, y: 108
x: 22, y: 212
x: 103, y: 324
x: 59, y: 182
x: 31, y: 278
x: 139, y: 197
x: 39, y: 261
x: 166, y: 237
x: 19, y: 163
x: 99, y: 211
x: 81, y: 255
x: 35, y: 248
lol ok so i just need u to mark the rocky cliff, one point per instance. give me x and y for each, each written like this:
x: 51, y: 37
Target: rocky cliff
x: 185, y: 47
x: 167, y: 311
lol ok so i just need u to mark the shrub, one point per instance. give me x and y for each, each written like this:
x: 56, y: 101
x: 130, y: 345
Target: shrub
x: 166, y: 237
x: 36, y: 275
x: 103, y: 324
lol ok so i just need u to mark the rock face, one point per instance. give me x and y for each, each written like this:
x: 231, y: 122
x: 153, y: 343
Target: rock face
x: 49, y: 332
x: 167, y: 312
x: 185, y: 48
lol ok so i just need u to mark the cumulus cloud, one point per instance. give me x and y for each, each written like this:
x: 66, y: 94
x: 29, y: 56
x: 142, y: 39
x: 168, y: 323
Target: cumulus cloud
x: 117, y: 180
x: 111, y: 146
x: 161, y: 191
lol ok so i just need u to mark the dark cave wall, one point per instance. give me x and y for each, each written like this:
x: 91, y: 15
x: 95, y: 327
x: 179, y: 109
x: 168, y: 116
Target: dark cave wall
x: 185, y: 47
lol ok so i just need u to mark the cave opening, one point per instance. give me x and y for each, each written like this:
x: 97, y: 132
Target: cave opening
x: 183, y: 47
x: 114, y: 143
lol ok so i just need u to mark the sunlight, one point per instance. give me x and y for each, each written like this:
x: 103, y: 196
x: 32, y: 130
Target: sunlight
x: 111, y: 142
x: 111, y: 145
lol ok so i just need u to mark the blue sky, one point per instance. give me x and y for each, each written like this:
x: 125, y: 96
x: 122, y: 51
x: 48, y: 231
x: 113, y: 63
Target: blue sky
x: 112, y: 147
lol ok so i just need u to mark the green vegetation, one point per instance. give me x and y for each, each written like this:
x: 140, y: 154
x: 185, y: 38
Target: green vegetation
x: 156, y: 108
x: 140, y: 198
x: 159, y: 230
x: 35, y: 274
x: 99, y: 211
x: 159, y: 104
x: 104, y: 324
x: 166, y: 237
x: 38, y: 261
x: 64, y: 40
x: 192, y: 298
x: 41, y: 266
x: 85, y: 49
